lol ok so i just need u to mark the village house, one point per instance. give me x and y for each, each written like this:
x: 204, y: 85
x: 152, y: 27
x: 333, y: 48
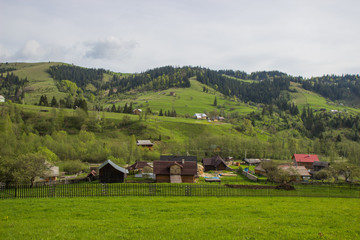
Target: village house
x: 178, y: 158
x: 200, y: 116
x: 297, y: 173
x: 138, y: 166
x: 51, y: 173
x: 172, y: 94
x: 175, y: 171
x: 259, y: 170
x: 109, y: 172
x: 214, y: 163
x: 144, y: 143
x: 2, y: 98
x: 251, y: 161
x: 137, y: 111
x: 306, y: 160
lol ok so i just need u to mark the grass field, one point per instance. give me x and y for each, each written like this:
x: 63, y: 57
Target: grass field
x: 180, y: 218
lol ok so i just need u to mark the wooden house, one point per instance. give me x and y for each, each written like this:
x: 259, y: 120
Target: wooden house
x: 138, y: 166
x: 318, y: 165
x: 251, y: 161
x: 144, y: 143
x: 172, y: 94
x: 306, y: 160
x: 51, y: 173
x: 299, y: 173
x: 109, y: 172
x: 137, y: 111
x: 175, y: 171
x: 214, y: 163
x: 259, y: 170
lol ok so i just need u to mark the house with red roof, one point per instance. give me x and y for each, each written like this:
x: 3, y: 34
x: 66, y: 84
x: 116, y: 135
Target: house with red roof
x: 306, y: 160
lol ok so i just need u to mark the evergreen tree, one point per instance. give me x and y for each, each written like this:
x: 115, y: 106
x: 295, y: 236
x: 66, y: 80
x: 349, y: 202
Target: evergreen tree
x: 215, y: 101
x: 161, y: 113
x: 113, y: 108
x: 54, y: 103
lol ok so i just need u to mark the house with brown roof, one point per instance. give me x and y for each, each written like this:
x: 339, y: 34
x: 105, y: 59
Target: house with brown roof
x: 214, y: 163
x: 306, y: 160
x: 175, y: 171
x: 144, y: 143
x: 299, y: 173
x: 138, y: 166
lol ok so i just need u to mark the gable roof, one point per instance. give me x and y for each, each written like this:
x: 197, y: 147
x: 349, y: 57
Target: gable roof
x: 305, y: 157
x: 163, y: 167
x: 138, y: 165
x: 114, y: 166
x: 144, y: 143
x: 252, y: 160
x: 213, y: 161
x: 301, y: 170
x: 178, y: 158
x: 322, y: 164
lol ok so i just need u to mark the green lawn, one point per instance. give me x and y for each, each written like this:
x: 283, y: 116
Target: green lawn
x: 180, y: 218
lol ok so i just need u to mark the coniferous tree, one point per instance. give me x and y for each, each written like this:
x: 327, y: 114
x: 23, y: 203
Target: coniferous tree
x: 215, y: 101
x: 161, y: 113
x: 54, y: 103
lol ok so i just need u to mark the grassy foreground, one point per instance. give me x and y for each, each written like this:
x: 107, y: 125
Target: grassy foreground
x: 180, y: 218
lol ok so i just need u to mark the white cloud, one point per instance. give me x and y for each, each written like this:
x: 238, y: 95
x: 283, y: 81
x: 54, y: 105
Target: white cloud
x: 110, y: 48
x: 4, y: 52
x: 32, y: 50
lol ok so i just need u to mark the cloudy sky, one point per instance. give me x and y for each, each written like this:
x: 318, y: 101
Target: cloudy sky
x: 299, y: 37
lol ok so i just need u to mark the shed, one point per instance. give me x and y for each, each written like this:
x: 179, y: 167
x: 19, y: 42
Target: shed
x: 109, y: 172
x: 252, y: 161
x: 175, y: 171
x: 51, y: 173
x: 260, y: 170
x: 137, y: 111
x: 214, y: 163
x: 144, y: 143
x: 318, y: 165
x: 305, y: 160
x: 172, y: 94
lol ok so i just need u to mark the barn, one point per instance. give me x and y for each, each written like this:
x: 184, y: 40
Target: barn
x: 214, y: 163
x: 109, y: 172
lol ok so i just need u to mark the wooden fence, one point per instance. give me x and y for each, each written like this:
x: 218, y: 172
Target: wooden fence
x: 144, y: 189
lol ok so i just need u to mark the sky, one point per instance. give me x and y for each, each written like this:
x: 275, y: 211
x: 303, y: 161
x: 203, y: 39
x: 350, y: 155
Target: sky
x: 299, y: 37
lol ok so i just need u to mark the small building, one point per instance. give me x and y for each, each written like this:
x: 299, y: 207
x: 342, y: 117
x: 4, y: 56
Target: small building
x: 172, y: 94
x: 51, y: 173
x: 214, y: 163
x: 138, y: 166
x: 137, y: 111
x: 318, y: 165
x: 109, y: 172
x: 296, y: 171
x: 259, y: 170
x: 252, y: 161
x: 2, y: 98
x: 200, y: 116
x: 306, y: 160
x: 178, y: 158
x: 144, y: 143
x: 175, y: 171
x: 91, y: 176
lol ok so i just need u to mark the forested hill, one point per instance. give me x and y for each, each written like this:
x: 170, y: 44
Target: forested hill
x: 265, y: 87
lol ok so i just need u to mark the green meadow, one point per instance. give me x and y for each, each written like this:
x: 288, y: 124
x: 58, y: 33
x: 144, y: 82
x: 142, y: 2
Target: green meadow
x: 180, y: 218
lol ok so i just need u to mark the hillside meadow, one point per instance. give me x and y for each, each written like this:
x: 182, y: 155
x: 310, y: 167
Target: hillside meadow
x: 180, y: 218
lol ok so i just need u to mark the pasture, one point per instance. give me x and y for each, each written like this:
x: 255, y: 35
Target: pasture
x: 180, y: 218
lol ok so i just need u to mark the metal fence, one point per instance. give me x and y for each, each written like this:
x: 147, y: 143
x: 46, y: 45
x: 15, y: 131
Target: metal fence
x: 127, y: 189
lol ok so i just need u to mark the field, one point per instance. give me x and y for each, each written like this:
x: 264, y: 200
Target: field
x: 180, y: 218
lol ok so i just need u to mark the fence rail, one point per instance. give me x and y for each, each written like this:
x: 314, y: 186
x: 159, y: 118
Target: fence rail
x: 123, y: 189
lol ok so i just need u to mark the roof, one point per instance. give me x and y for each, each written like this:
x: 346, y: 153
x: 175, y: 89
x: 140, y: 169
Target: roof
x: 322, y: 164
x: 1, y: 96
x: 178, y: 158
x: 144, y: 143
x: 252, y: 160
x: 114, y: 166
x: 213, y: 161
x: 52, y: 171
x: 259, y: 168
x: 138, y: 165
x: 301, y: 170
x: 163, y: 167
x: 305, y: 157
